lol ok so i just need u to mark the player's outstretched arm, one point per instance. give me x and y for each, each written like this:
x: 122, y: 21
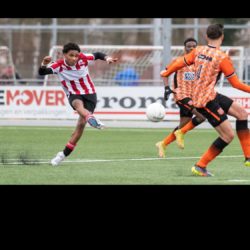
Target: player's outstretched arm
x: 179, y: 63
x: 110, y: 59
x: 46, y: 60
x: 43, y: 70
x: 104, y: 57
x: 236, y: 83
x: 229, y: 72
x: 173, y: 67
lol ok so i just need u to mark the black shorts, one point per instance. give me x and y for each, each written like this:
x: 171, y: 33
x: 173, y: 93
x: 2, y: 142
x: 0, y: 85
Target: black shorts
x: 216, y: 110
x: 224, y: 101
x: 89, y: 101
x: 185, y: 107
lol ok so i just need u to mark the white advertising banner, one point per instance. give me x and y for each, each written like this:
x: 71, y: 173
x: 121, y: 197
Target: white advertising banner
x: 115, y: 103
x: 34, y: 103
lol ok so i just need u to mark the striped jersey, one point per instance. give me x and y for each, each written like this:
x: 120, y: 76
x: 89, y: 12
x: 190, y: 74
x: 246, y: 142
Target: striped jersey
x: 75, y: 79
x: 206, y: 61
x: 183, y: 82
x: 209, y: 62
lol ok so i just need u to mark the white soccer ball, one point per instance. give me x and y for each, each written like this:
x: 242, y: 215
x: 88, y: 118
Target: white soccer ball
x: 155, y: 112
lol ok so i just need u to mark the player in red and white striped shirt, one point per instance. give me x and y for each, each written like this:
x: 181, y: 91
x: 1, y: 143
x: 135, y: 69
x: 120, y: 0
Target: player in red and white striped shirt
x: 73, y: 73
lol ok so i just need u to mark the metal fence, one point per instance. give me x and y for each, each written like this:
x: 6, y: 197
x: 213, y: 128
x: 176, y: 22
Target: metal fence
x: 29, y: 43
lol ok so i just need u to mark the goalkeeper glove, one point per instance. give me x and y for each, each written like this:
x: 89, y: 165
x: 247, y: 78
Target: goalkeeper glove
x: 167, y: 92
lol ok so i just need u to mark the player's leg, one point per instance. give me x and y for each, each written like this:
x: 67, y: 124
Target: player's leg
x: 178, y: 133
x: 70, y: 146
x: 196, y: 121
x: 184, y: 120
x: 242, y: 129
x: 234, y: 109
x: 85, y: 105
x: 162, y: 145
x: 186, y: 107
x: 79, y: 106
x: 185, y: 117
x: 75, y: 137
x: 218, y: 119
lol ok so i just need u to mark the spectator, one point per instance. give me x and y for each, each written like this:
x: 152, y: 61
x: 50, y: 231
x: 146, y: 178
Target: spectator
x: 7, y: 73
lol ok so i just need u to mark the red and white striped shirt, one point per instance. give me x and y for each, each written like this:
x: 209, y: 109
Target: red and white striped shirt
x: 75, y: 79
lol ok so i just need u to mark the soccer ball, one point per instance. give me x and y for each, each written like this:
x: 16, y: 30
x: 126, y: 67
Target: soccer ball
x: 155, y: 112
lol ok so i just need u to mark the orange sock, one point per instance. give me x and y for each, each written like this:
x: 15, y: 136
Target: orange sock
x: 244, y: 138
x: 189, y: 126
x: 208, y: 156
x: 170, y: 138
x: 243, y: 134
x: 215, y: 149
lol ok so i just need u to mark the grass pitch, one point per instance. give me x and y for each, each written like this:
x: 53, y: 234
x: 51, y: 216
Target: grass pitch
x: 113, y: 156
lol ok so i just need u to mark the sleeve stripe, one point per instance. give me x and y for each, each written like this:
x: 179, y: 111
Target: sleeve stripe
x: 54, y: 65
x: 230, y: 75
x: 186, y: 61
x: 89, y: 57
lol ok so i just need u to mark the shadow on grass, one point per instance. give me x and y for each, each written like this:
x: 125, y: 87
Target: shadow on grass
x: 24, y: 158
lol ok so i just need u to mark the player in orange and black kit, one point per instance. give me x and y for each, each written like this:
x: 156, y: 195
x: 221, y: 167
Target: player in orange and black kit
x: 182, y: 89
x: 210, y: 62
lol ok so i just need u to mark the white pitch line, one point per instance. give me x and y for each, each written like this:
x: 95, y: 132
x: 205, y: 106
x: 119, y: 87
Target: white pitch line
x: 46, y: 161
x: 142, y: 130
x: 236, y: 180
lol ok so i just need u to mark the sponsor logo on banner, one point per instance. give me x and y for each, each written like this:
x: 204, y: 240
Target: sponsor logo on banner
x: 121, y: 103
x: 242, y: 101
x: 32, y: 96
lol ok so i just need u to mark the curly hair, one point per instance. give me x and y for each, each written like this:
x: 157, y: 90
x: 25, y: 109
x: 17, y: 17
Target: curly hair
x: 71, y: 46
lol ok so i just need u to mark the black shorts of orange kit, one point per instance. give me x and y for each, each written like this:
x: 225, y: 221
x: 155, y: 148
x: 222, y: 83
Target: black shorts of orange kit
x: 185, y: 107
x: 89, y: 101
x: 216, y: 110
x: 224, y: 101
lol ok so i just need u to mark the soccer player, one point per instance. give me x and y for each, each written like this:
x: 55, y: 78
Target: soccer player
x: 209, y: 62
x: 79, y: 88
x: 182, y: 89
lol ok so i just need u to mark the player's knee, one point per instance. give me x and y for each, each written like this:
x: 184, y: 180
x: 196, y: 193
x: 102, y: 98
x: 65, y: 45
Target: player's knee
x: 229, y: 136
x: 200, y: 120
x: 82, y: 123
x: 78, y: 109
x: 242, y: 115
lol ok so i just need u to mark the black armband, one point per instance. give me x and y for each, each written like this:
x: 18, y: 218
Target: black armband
x: 99, y: 55
x: 45, y: 71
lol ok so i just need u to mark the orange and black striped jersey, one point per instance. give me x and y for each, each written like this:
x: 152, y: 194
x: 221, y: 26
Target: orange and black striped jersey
x: 183, y: 81
x: 208, y: 63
